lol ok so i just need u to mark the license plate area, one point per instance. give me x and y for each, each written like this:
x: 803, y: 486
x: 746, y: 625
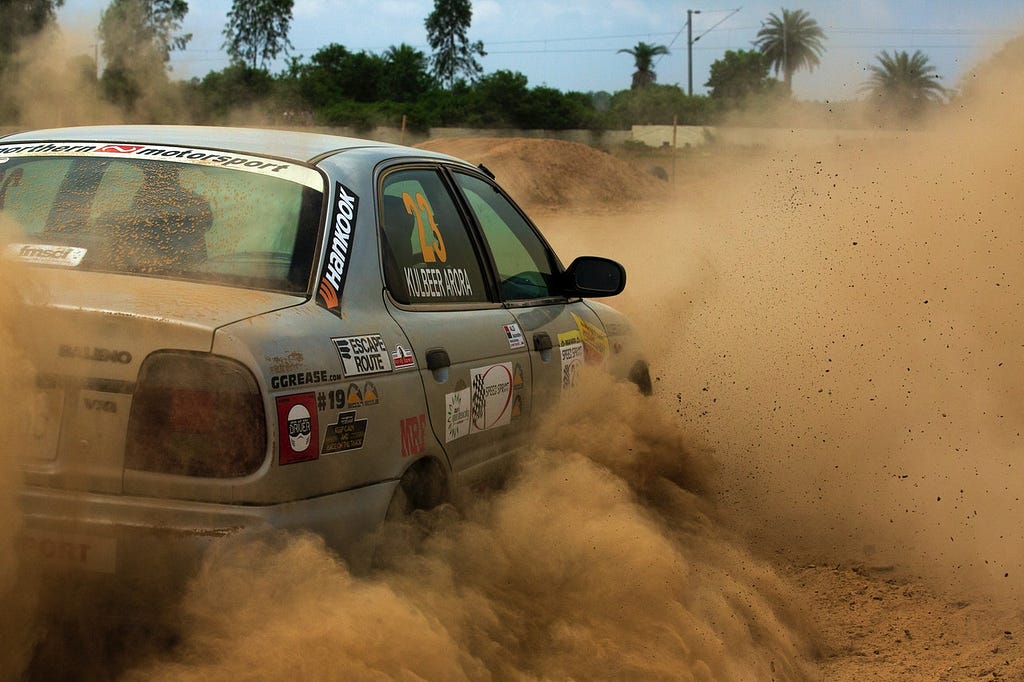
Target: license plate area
x: 46, y: 411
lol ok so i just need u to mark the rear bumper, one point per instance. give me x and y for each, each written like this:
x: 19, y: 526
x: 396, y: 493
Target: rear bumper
x: 151, y: 540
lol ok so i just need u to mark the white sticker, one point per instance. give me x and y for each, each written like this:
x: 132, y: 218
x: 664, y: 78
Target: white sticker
x: 515, y: 336
x: 491, y: 397
x: 456, y: 415
x: 47, y: 254
x: 570, y: 348
x: 363, y: 354
x: 193, y: 155
x: 403, y: 358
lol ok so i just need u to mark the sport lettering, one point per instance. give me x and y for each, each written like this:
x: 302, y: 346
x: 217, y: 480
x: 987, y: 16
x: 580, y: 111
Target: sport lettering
x: 77, y: 552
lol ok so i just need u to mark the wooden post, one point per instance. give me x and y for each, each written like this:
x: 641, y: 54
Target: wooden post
x: 675, y: 122
x: 402, y: 138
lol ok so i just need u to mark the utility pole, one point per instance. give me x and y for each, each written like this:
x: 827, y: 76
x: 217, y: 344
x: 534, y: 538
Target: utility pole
x: 689, y: 49
x: 690, y: 40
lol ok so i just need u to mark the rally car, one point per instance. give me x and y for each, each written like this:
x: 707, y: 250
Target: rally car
x: 241, y: 328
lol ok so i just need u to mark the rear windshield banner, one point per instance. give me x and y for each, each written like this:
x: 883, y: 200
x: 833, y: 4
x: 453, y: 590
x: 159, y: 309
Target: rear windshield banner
x: 338, y: 249
x: 193, y: 155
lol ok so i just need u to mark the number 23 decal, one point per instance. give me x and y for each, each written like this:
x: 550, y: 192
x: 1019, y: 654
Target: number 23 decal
x: 420, y: 208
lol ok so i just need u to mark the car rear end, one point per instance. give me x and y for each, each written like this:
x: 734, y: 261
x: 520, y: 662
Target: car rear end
x: 141, y: 443
x: 125, y: 395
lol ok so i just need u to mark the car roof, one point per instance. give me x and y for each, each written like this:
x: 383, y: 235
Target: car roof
x: 286, y: 144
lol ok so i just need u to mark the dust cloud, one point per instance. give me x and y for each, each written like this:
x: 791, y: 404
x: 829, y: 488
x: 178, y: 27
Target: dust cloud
x: 840, y: 325
x: 600, y: 560
x: 53, y: 84
x: 18, y: 626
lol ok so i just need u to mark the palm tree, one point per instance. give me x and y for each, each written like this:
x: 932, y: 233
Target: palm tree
x: 791, y: 42
x: 904, y: 84
x: 643, y: 56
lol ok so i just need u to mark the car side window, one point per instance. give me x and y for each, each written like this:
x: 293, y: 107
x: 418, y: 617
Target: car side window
x: 526, y: 267
x: 427, y: 249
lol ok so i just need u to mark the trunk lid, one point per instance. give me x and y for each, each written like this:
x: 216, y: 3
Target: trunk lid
x: 86, y: 335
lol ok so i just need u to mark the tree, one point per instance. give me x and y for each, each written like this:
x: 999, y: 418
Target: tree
x: 453, y: 53
x: 131, y: 29
x: 21, y: 19
x: 497, y: 98
x: 739, y: 74
x: 791, y: 42
x: 903, y: 84
x: 258, y: 29
x: 219, y: 93
x: 335, y: 74
x: 406, y: 76
x: 643, y: 57
x: 137, y: 37
x: 660, y: 105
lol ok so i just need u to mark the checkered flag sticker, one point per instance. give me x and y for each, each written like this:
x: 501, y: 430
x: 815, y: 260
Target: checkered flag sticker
x: 479, y: 400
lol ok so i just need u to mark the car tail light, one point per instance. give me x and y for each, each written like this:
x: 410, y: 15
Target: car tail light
x: 194, y: 414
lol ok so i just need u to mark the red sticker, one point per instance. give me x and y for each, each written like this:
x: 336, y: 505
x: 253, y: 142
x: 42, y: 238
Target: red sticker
x: 414, y: 435
x: 298, y: 433
x: 119, y: 148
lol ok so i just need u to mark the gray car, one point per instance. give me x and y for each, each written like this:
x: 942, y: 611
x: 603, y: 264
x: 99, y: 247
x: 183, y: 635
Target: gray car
x: 240, y: 328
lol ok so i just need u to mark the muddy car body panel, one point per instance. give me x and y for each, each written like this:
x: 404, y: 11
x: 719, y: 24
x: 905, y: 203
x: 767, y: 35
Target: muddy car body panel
x: 236, y: 329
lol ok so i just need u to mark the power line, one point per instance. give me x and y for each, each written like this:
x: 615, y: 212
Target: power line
x: 544, y: 44
x: 701, y: 48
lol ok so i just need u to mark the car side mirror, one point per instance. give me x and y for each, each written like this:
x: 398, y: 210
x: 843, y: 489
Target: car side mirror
x: 593, y: 277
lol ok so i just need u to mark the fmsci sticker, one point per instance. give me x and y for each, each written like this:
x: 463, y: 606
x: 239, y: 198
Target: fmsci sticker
x: 339, y: 248
x: 47, y: 254
x: 361, y: 355
x: 298, y: 435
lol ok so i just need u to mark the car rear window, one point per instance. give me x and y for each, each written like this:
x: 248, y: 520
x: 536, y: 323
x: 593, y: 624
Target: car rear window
x: 245, y: 225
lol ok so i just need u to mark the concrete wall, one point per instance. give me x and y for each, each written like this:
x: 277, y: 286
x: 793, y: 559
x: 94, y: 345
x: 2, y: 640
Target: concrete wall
x: 652, y: 136
x: 694, y: 136
x: 394, y: 135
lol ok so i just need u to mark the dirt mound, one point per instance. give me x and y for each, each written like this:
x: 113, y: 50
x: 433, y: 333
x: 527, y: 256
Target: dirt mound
x: 554, y: 173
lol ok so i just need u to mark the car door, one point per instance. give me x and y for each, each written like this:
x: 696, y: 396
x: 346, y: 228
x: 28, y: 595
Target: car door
x: 562, y: 333
x: 469, y: 350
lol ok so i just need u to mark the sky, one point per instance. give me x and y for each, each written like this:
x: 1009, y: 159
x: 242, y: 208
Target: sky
x: 573, y: 45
